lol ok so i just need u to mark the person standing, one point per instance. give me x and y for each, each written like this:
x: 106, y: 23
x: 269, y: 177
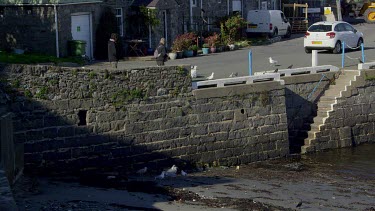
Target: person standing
x: 162, y: 53
x: 112, y: 53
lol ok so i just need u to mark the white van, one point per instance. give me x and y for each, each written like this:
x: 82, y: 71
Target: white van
x: 271, y: 22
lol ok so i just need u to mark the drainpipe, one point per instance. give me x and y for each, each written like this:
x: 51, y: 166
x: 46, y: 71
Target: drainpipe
x: 191, y: 13
x: 149, y: 31
x: 57, y: 32
x: 227, y: 7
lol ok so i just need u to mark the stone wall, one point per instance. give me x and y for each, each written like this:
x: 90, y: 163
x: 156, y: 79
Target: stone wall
x: 352, y: 120
x: 74, y: 119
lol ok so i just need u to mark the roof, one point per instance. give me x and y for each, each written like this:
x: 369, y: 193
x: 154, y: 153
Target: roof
x: 41, y: 2
x: 145, y: 3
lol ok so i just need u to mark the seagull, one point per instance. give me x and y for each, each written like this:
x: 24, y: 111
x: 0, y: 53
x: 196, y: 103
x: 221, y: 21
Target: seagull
x: 277, y: 69
x: 193, y: 71
x: 299, y: 204
x: 272, y: 62
x: 172, y: 171
x: 360, y: 61
x: 161, y: 176
x: 211, y: 76
x: 183, y: 173
x: 233, y: 75
x: 142, y: 171
x: 290, y: 66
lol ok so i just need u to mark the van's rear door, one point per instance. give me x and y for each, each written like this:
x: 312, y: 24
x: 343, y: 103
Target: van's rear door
x: 258, y: 21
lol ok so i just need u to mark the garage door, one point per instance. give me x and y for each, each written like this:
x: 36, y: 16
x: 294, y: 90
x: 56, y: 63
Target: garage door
x: 81, y: 30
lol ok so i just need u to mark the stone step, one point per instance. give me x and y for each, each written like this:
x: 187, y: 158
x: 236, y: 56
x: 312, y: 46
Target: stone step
x: 318, y: 119
x: 333, y: 92
x: 309, y: 141
x: 328, y: 99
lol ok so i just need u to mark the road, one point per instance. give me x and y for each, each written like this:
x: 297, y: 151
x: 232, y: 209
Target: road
x: 286, y: 52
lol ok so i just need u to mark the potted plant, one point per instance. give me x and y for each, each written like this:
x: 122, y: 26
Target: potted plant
x: 212, y: 41
x: 205, y: 48
x: 194, y: 48
x: 172, y: 55
x: 183, y: 42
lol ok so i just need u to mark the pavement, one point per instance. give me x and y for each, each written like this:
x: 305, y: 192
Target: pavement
x: 287, y: 52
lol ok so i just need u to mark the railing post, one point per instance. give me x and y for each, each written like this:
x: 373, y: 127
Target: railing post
x: 363, y: 52
x: 250, y: 63
x: 314, y: 58
x: 343, y: 55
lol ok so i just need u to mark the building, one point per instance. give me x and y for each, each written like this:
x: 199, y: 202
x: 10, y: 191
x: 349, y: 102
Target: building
x: 46, y: 26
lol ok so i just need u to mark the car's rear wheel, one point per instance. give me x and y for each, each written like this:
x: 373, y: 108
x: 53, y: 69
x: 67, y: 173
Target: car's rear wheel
x: 307, y: 50
x: 359, y: 43
x: 337, y: 48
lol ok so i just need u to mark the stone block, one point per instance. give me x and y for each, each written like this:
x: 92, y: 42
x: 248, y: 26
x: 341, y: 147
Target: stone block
x: 50, y: 133
x: 65, y: 131
x: 34, y: 135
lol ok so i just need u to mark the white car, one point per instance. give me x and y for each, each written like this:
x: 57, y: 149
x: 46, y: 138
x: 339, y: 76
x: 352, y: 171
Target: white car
x: 330, y: 35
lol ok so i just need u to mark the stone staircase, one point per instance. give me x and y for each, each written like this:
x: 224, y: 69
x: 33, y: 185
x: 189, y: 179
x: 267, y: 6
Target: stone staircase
x: 325, y: 106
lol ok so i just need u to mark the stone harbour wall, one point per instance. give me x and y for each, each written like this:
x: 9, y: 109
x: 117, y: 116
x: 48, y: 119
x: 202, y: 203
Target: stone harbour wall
x: 352, y: 121
x: 76, y: 119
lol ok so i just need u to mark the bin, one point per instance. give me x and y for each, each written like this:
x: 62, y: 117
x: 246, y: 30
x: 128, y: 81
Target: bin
x: 77, y: 47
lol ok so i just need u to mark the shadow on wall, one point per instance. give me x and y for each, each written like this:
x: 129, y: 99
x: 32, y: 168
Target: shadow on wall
x: 300, y: 113
x: 58, y: 146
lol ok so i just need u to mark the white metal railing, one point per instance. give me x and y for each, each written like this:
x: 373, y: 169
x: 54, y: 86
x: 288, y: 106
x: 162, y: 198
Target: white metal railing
x: 237, y: 80
x: 301, y: 70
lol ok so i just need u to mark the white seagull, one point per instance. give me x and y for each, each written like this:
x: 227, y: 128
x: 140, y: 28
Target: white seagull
x: 183, y: 173
x: 142, y: 171
x: 233, y: 75
x: 211, y: 76
x: 172, y: 171
x: 193, y: 71
x: 273, y: 62
x: 161, y: 176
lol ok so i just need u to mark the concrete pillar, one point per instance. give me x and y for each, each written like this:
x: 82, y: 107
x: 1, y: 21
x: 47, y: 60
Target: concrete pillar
x: 314, y: 58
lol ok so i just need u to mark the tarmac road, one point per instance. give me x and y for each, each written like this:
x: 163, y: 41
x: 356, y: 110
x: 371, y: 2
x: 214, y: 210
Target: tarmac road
x: 286, y: 52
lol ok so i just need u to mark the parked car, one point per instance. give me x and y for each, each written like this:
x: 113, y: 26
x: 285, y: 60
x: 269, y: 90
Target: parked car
x: 330, y: 35
x: 271, y: 22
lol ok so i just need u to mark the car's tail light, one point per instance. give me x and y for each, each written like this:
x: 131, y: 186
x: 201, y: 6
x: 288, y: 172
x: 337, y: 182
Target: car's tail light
x: 307, y: 34
x: 270, y: 26
x: 331, y: 35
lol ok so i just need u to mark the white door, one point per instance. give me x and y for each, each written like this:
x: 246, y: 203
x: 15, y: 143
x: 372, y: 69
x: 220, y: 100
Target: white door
x: 81, y: 30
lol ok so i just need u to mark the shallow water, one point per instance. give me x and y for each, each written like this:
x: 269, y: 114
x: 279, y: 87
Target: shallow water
x: 357, y: 161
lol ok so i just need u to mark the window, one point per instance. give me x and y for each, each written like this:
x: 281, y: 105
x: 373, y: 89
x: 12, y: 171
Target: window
x: 348, y: 27
x: 120, y: 21
x: 320, y: 28
x: 340, y: 27
x: 2, y: 12
x: 194, y: 3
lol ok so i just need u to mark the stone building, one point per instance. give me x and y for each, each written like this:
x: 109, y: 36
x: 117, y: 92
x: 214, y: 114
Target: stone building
x: 47, y: 26
x: 180, y: 16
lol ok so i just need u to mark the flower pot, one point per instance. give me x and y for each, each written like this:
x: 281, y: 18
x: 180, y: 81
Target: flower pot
x: 150, y: 51
x: 180, y: 54
x: 188, y: 53
x: 205, y: 50
x: 172, y: 55
x: 213, y: 49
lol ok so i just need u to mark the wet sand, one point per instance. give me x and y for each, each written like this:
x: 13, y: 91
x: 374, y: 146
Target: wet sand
x: 306, y: 183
